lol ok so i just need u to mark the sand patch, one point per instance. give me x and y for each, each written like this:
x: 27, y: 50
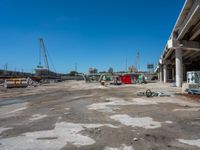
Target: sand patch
x: 57, y: 138
x: 4, y: 129
x: 83, y: 86
x: 13, y: 109
x: 188, y: 109
x: 144, y: 122
x: 122, y: 147
x: 113, y: 102
x: 177, y: 101
x: 168, y: 122
x: 67, y: 109
x: 191, y: 142
x: 37, y: 117
x: 83, y: 96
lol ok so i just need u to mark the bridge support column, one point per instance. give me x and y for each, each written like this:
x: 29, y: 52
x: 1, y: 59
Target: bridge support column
x: 165, y: 72
x: 179, y: 67
x: 161, y: 73
x: 173, y: 73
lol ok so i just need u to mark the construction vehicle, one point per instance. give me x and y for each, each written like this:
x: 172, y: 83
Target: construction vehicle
x: 41, y: 70
x: 43, y: 73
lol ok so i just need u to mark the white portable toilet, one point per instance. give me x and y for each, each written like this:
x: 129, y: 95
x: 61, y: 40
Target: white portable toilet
x: 193, y: 77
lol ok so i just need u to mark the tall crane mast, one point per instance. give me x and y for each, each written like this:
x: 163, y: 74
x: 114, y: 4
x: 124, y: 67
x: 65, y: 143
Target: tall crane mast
x: 137, y: 61
x: 43, y: 52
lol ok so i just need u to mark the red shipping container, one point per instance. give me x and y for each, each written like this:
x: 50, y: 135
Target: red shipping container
x: 126, y: 79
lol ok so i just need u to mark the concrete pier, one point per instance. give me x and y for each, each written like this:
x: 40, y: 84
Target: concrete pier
x: 182, y: 51
x: 161, y: 73
x: 165, y: 73
x: 179, y: 67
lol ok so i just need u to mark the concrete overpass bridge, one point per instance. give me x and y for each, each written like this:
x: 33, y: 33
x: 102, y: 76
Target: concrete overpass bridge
x: 182, y: 51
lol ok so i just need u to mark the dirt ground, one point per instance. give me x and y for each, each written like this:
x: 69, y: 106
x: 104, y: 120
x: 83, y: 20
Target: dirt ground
x: 76, y: 115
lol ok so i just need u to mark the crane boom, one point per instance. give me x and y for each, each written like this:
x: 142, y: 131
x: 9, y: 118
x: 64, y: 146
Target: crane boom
x: 44, y: 53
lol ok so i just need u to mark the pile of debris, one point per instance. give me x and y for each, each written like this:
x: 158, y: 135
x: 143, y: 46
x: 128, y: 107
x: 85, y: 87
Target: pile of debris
x: 149, y: 93
x: 30, y: 82
x: 193, y: 89
x: 19, y: 82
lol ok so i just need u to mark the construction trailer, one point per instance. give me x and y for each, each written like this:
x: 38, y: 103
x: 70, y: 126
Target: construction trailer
x: 126, y: 79
x: 110, y: 79
x: 193, y: 82
x: 133, y: 78
x: 118, y: 79
x: 193, y: 77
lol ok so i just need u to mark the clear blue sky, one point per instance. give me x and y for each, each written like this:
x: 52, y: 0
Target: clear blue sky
x: 91, y: 33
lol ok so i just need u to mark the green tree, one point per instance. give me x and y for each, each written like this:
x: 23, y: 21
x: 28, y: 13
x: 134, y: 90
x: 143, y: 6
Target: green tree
x: 73, y: 73
x: 110, y: 70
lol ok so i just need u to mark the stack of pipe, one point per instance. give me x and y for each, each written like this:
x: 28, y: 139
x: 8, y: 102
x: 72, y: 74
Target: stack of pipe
x: 15, y: 82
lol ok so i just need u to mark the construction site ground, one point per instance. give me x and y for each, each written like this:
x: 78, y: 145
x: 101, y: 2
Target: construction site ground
x: 77, y: 115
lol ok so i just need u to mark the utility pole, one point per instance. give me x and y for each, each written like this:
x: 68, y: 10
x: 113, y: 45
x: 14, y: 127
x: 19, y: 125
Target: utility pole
x: 137, y: 61
x: 15, y: 71
x: 76, y: 67
x: 76, y: 71
x: 22, y: 71
x: 5, y: 68
x: 126, y: 64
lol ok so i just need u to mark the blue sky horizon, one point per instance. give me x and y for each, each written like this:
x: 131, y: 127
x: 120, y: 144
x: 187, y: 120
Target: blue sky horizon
x: 100, y: 33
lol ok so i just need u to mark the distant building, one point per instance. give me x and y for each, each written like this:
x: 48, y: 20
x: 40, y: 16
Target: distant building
x: 132, y: 69
x: 93, y: 71
x: 150, y: 68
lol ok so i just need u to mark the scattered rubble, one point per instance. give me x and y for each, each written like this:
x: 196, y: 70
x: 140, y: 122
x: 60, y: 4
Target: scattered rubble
x: 149, y: 93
